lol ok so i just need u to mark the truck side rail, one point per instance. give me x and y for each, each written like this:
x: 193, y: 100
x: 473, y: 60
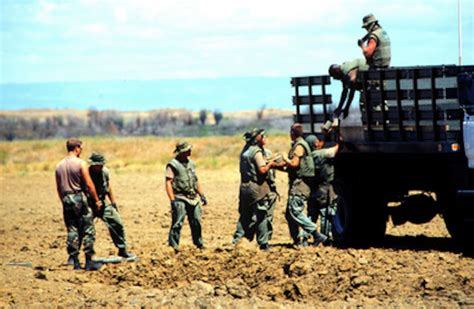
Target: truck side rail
x: 399, y: 106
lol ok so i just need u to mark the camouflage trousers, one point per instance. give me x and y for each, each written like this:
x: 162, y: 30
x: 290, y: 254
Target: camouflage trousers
x: 323, y: 204
x: 178, y: 213
x: 298, y: 223
x: 78, y: 219
x: 114, y: 223
x: 256, y: 219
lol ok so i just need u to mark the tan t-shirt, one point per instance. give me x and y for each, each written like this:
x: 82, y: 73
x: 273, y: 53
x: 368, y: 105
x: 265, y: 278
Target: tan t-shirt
x: 69, y: 175
x: 169, y: 172
x: 259, y: 159
x: 299, y: 151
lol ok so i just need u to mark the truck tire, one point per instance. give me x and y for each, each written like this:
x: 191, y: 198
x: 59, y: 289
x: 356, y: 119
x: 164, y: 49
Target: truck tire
x: 354, y: 226
x: 458, y: 215
x: 370, y: 224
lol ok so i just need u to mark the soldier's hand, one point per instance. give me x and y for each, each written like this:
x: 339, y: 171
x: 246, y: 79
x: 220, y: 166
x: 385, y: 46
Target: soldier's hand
x: 99, y: 205
x: 203, y: 200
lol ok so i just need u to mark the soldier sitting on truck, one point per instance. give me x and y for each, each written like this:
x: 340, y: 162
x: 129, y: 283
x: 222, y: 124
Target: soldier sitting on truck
x: 323, y: 199
x: 377, y: 50
x: 347, y: 74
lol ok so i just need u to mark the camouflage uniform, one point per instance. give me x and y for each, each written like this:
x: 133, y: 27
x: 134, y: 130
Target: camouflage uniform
x: 110, y: 214
x: 187, y: 202
x: 299, y: 192
x: 323, y: 200
x: 78, y: 219
x: 257, y: 198
x: 382, y: 54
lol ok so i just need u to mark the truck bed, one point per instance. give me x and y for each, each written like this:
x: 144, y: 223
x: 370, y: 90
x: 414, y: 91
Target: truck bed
x: 421, y: 111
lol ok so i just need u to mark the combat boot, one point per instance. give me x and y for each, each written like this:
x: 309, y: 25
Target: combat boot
x: 74, y: 261
x: 318, y: 238
x: 92, y: 265
x: 265, y: 247
x: 125, y: 254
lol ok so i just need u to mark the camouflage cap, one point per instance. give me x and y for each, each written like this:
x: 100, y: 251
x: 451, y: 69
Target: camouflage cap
x: 368, y: 20
x: 97, y: 159
x: 182, y: 147
x: 250, y: 136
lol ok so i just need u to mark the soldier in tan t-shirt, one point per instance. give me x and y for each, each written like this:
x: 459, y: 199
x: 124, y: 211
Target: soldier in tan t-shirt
x: 72, y: 183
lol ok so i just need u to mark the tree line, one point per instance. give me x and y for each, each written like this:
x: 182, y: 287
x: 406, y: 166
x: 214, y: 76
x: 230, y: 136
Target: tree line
x: 107, y: 122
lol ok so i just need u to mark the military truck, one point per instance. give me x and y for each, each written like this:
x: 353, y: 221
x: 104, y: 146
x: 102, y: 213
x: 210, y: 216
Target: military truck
x: 408, y: 151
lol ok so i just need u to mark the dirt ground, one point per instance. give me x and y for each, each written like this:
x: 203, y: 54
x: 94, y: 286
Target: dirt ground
x: 416, y: 266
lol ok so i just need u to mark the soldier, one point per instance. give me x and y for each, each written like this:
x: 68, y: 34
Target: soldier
x: 185, y: 194
x: 258, y: 196
x: 323, y: 200
x: 109, y: 214
x: 347, y: 74
x: 377, y: 51
x: 300, y: 167
x: 72, y: 183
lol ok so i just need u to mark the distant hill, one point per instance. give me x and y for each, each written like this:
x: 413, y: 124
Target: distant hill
x: 225, y: 94
x: 58, y: 123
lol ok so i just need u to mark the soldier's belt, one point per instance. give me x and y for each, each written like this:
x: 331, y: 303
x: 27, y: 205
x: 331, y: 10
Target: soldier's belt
x: 72, y: 192
x: 189, y: 196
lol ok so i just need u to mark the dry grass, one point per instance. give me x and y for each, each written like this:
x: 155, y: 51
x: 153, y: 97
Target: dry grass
x: 45, y: 113
x: 139, y: 154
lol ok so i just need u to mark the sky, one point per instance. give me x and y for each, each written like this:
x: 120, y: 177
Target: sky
x: 45, y: 41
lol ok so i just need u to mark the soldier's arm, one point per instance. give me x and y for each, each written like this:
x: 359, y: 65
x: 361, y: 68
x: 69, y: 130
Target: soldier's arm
x: 110, y: 194
x: 332, y: 151
x: 295, y: 161
x: 199, y: 188
x: 369, y: 50
x: 349, y: 102
x: 169, y: 188
x: 342, y: 99
x: 263, y: 167
x: 90, y: 184
x: 58, y: 189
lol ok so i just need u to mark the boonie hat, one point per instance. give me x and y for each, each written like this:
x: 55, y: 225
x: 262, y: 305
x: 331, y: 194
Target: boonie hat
x: 252, y: 135
x: 182, y: 147
x: 97, y: 159
x: 368, y: 19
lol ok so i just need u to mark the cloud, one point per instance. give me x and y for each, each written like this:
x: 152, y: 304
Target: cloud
x: 120, y: 15
x: 184, y: 38
x: 45, y: 11
x: 94, y: 28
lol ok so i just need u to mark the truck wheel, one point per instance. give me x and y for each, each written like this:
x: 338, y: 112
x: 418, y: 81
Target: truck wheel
x: 371, y: 220
x: 458, y: 215
x: 358, y: 221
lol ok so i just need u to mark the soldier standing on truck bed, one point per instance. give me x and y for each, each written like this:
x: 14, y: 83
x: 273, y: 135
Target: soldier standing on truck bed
x: 377, y: 51
x: 300, y: 167
x: 109, y: 214
x: 185, y: 194
x: 323, y: 199
x: 257, y: 194
x: 72, y: 183
x: 347, y: 74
